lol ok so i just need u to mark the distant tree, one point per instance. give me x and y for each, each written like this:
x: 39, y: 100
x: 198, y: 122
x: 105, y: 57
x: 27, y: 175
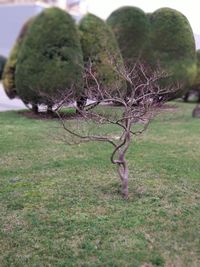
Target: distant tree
x: 10, y: 66
x: 131, y: 28
x: 98, y: 44
x: 50, y: 60
x: 173, y: 45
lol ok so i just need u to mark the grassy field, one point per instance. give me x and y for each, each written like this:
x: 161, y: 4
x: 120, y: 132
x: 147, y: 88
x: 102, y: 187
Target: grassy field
x: 60, y: 205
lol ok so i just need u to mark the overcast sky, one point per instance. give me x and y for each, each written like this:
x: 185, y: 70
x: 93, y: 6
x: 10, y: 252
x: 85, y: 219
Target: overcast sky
x: 190, y: 8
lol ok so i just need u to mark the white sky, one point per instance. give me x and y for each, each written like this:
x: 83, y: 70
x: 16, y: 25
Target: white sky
x: 190, y: 8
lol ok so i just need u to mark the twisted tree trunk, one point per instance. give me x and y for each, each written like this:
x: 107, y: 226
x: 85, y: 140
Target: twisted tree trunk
x: 121, y: 150
x: 123, y: 173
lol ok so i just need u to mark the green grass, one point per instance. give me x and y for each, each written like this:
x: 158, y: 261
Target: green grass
x: 60, y: 205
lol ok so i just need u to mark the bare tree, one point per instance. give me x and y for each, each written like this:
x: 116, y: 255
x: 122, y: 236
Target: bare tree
x: 147, y: 91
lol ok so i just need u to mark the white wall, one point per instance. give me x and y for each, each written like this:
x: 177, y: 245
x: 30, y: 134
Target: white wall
x: 12, y: 18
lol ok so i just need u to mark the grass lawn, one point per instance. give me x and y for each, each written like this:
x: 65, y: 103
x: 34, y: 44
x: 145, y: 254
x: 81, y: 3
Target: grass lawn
x: 60, y: 205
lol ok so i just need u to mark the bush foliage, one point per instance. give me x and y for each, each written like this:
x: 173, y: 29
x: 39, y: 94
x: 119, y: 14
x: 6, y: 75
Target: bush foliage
x: 162, y: 38
x: 49, y: 54
x: 2, y: 64
x: 10, y: 66
x: 173, y: 44
x: 50, y: 60
x: 100, y: 48
x: 196, y: 83
x: 131, y: 28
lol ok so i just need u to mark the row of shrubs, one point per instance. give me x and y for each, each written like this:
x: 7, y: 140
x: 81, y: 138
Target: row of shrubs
x: 164, y: 36
x: 49, y: 55
x: 51, y: 52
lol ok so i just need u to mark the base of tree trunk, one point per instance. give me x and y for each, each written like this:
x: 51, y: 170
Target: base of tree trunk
x: 186, y: 96
x: 35, y: 109
x: 196, y: 112
x: 81, y: 103
x: 49, y: 110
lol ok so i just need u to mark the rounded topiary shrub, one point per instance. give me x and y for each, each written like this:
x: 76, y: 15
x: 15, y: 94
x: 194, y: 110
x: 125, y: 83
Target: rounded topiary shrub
x: 8, y: 78
x: 50, y: 61
x: 131, y: 28
x: 100, y: 49
x: 173, y: 44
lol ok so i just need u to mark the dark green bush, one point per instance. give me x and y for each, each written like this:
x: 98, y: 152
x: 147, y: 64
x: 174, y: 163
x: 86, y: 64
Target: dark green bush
x: 50, y: 60
x: 131, y: 28
x: 196, y: 83
x: 2, y: 64
x: 10, y: 66
x: 100, y: 47
x: 194, y: 89
x: 173, y: 44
